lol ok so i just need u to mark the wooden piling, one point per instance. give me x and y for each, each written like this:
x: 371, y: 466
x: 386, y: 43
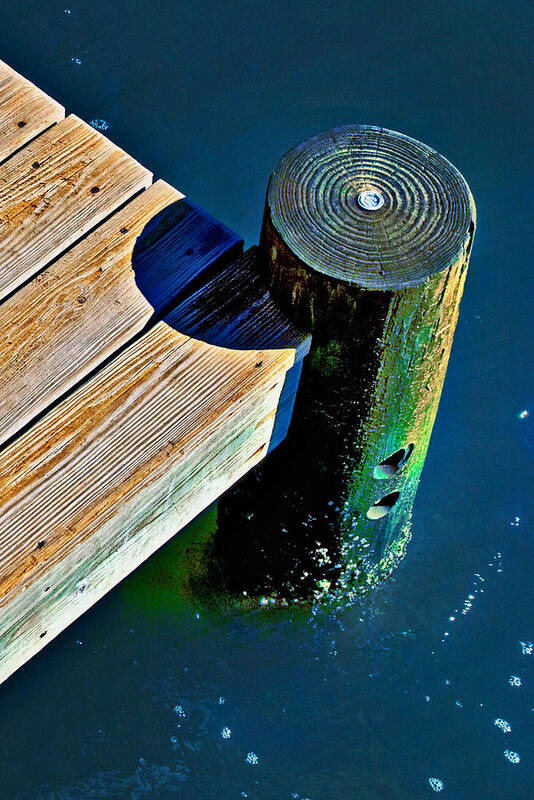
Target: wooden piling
x: 366, y: 240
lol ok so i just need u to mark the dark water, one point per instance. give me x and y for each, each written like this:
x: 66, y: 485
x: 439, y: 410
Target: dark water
x: 136, y: 699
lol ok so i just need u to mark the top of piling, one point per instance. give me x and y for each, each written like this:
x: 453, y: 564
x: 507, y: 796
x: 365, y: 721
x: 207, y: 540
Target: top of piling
x: 371, y: 207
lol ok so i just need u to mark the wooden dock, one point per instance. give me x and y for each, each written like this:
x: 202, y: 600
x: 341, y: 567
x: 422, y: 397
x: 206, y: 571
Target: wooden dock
x: 144, y: 366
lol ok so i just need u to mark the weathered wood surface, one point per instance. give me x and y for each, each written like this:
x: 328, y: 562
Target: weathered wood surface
x: 380, y: 290
x: 25, y: 111
x: 312, y: 202
x: 116, y: 427
x: 176, y: 249
x: 61, y: 325
x: 55, y: 190
x: 88, y: 303
x: 234, y: 309
x: 169, y: 420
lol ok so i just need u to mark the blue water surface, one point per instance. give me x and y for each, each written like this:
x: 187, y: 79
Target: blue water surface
x: 150, y: 694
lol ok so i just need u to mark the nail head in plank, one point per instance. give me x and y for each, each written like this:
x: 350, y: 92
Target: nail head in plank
x: 25, y: 111
x: 65, y: 321
x: 118, y: 435
x: 48, y: 198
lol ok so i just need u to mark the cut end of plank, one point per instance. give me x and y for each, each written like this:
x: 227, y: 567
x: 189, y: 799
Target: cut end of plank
x: 371, y: 207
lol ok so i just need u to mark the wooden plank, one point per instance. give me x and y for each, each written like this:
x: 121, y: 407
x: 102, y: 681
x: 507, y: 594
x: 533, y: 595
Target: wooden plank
x: 25, y: 111
x: 112, y: 471
x: 55, y: 190
x: 175, y: 249
x: 82, y: 577
x: 62, y: 324
x: 234, y: 309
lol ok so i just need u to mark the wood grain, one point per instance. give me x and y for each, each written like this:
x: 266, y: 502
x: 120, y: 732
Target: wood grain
x: 167, y: 424
x: 25, y: 111
x: 74, y: 582
x: 380, y: 292
x: 234, y: 309
x: 65, y: 321
x: 54, y: 191
x: 175, y: 250
x: 118, y: 428
x: 312, y: 202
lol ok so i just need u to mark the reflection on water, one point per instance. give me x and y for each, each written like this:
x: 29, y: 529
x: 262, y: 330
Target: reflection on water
x: 373, y: 702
